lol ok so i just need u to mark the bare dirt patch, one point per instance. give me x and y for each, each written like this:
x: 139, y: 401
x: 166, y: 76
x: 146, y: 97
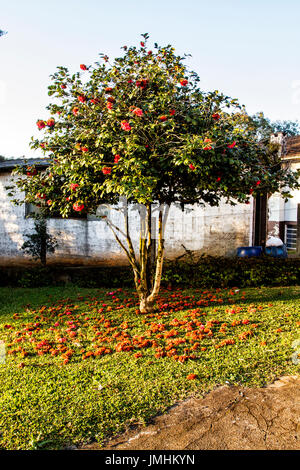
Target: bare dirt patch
x: 227, y: 418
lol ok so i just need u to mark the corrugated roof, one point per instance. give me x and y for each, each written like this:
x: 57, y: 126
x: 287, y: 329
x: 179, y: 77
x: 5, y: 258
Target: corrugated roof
x: 8, y: 165
x: 292, y: 147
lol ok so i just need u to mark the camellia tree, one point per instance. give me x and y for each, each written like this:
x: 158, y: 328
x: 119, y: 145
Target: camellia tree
x: 139, y: 128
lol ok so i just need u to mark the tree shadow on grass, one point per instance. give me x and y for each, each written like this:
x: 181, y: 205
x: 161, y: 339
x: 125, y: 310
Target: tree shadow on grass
x: 18, y: 300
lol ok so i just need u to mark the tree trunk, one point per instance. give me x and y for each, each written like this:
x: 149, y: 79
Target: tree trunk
x: 146, y: 306
x: 150, y: 287
x: 148, y: 269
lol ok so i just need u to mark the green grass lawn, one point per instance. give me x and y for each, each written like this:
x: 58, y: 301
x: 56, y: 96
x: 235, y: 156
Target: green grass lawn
x: 81, y: 364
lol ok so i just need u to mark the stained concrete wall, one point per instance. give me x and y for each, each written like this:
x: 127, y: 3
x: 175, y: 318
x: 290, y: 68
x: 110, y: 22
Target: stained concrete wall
x: 210, y: 230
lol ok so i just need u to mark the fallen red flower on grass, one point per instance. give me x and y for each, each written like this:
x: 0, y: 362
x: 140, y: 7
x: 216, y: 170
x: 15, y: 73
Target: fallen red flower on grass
x: 192, y: 376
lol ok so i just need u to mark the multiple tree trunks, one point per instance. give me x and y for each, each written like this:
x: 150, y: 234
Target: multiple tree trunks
x: 147, y: 268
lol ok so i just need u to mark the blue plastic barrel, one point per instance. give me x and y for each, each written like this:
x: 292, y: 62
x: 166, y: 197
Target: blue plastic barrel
x: 249, y: 251
x: 276, y: 251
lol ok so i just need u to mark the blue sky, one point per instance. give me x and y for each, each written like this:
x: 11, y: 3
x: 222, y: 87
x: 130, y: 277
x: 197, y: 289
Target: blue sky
x: 246, y: 49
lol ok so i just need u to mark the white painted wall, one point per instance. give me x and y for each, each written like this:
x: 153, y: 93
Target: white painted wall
x: 210, y: 230
x: 284, y: 211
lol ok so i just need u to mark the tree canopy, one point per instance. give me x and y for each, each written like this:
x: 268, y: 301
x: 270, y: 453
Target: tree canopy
x: 139, y: 126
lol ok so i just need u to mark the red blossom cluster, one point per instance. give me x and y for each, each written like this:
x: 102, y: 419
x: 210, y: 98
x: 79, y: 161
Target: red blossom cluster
x: 208, y: 143
x: 51, y: 122
x: 42, y: 124
x: 142, y: 84
x: 138, y: 112
x: 106, y: 170
x: 31, y: 171
x: 230, y: 146
x: 125, y: 126
x: 78, y: 207
x: 81, y: 98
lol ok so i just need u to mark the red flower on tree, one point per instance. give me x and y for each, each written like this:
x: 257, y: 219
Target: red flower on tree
x: 50, y: 122
x: 75, y: 111
x: 31, y: 172
x: 138, y: 112
x: 73, y: 186
x: 191, y: 166
x: 41, y: 124
x: 184, y: 82
x: 81, y: 98
x: 207, y: 141
x: 125, y: 126
x: 83, y: 67
x: 162, y: 118
x: 216, y: 116
x: 230, y: 146
x: 106, y: 170
x: 117, y: 158
x: 141, y: 83
x: 78, y: 207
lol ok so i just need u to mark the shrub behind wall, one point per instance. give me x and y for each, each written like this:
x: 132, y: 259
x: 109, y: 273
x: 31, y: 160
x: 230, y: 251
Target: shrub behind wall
x: 241, y: 272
